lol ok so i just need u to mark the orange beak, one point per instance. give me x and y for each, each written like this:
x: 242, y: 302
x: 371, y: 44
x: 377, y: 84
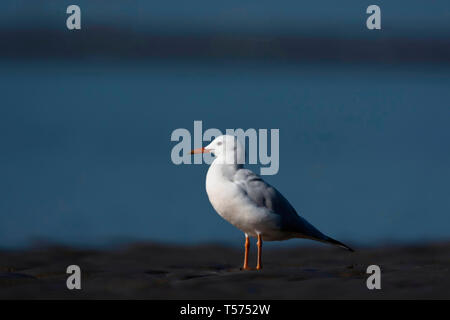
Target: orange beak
x: 200, y: 150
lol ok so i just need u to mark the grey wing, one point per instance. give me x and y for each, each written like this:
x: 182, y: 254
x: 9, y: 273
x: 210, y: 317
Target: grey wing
x: 264, y: 195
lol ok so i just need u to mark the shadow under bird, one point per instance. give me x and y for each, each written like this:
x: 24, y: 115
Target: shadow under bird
x: 249, y: 203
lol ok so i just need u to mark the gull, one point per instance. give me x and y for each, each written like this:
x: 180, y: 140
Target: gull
x: 249, y: 203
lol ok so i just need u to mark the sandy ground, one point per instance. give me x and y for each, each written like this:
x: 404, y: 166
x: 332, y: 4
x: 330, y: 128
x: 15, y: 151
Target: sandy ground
x: 154, y: 271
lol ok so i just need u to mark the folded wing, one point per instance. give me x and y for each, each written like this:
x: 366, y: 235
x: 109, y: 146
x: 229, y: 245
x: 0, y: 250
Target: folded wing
x: 264, y: 195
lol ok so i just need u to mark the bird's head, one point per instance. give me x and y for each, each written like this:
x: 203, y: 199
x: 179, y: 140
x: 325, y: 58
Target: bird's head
x: 226, y: 148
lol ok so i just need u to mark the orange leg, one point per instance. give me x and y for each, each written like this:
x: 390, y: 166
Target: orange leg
x: 247, y: 248
x: 259, y: 243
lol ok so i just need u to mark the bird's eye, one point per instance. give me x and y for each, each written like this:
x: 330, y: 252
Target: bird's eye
x: 219, y: 143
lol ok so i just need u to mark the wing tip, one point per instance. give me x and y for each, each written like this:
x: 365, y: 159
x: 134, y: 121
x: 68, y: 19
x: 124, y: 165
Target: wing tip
x: 339, y: 244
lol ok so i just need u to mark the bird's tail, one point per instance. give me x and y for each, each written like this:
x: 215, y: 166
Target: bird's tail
x: 338, y: 243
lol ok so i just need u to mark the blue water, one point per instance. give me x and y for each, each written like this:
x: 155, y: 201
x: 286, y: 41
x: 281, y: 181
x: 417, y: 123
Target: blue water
x: 85, y: 148
x: 417, y: 18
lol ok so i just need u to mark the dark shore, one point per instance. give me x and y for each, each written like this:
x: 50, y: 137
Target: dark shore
x: 153, y: 271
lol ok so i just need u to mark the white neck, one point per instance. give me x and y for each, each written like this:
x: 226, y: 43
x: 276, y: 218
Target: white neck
x: 223, y: 169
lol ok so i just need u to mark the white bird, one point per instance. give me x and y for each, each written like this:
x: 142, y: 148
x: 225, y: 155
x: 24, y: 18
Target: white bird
x: 249, y: 203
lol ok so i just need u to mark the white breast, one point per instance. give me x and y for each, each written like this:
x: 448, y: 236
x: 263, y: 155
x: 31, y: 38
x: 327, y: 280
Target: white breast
x: 222, y: 194
x: 232, y: 204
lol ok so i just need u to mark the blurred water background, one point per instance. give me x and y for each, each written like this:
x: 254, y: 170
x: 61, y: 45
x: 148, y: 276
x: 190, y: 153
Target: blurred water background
x: 86, y: 116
